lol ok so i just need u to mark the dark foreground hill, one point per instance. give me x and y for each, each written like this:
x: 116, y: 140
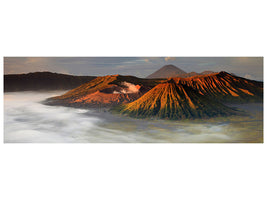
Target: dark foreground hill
x: 174, y: 101
x: 43, y: 81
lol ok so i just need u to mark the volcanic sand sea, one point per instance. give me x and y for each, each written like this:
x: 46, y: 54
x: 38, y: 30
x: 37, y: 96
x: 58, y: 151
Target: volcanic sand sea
x: 27, y: 120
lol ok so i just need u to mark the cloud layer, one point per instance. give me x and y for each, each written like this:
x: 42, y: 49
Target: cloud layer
x: 27, y: 120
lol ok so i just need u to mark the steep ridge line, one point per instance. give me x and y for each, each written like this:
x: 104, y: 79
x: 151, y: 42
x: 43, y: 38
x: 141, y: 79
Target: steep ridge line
x: 105, y: 91
x: 174, y: 101
x: 225, y: 87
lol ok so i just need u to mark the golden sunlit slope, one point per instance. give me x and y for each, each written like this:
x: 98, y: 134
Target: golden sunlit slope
x: 225, y: 87
x: 193, y: 97
x: 174, y: 101
x: 105, y: 91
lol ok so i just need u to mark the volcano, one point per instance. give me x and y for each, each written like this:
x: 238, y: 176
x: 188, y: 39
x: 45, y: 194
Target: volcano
x: 170, y: 71
x: 167, y: 71
x: 200, y: 96
x: 174, y: 101
x: 105, y: 91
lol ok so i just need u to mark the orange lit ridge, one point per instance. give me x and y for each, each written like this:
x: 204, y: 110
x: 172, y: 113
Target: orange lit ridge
x: 198, y: 96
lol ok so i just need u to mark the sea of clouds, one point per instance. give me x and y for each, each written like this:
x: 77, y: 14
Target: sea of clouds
x: 26, y: 119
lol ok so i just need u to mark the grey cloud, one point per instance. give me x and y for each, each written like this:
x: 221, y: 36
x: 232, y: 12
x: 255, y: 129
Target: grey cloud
x: 137, y: 66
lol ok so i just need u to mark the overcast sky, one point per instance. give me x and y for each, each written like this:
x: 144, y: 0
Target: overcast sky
x: 249, y: 67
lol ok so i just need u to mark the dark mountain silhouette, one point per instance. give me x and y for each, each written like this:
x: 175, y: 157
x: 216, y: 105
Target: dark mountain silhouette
x: 166, y: 71
x: 169, y: 71
x: 174, y: 101
x: 105, y: 91
x: 43, y: 81
x: 225, y: 87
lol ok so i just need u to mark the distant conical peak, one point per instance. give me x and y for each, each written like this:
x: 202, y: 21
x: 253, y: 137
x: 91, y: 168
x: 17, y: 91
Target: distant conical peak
x: 166, y: 72
x: 169, y: 66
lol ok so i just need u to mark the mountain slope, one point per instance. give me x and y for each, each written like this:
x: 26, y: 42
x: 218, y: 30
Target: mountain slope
x: 109, y: 91
x: 167, y: 71
x: 174, y: 101
x: 170, y: 71
x: 225, y: 87
x: 43, y: 81
x: 105, y: 91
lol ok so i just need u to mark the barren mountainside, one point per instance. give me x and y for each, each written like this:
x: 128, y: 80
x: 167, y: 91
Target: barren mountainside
x: 106, y: 91
x: 200, y: 96
x: 174, y: 101
x: 225, y: 87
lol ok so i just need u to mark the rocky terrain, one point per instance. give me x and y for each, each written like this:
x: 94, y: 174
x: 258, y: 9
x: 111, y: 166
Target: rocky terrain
x: 199, y: 96
x: 105, y: 91
x: 225, y: 87
x: 169, y: 100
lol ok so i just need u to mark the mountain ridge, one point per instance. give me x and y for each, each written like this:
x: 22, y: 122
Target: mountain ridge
x: 170, y: 71
x: 43, y: 81
x: 105, y: 91
x: 113, y: 90
x: 169, y: 100
x: 225, y: 87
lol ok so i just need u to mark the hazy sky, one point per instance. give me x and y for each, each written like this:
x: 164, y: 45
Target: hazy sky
x: 249, y: 67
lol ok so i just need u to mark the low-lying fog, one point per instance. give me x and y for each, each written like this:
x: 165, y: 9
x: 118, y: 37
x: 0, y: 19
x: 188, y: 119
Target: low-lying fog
x: 27, y: 120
